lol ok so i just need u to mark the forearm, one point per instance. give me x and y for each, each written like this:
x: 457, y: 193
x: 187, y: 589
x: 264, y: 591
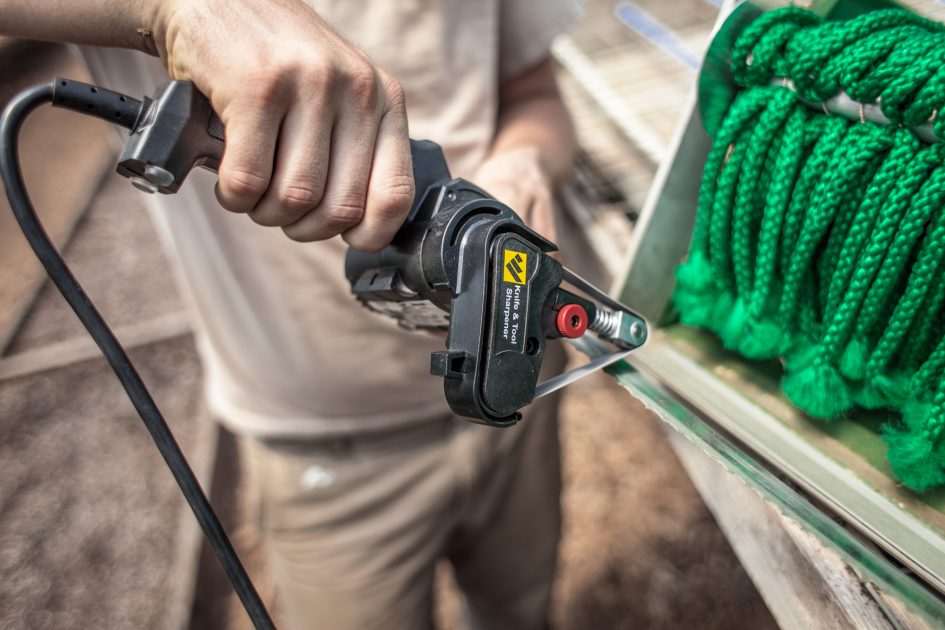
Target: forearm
x: 536, y: 118
x: 118, y: 23
x: 295, y: 97
x: 541, y: 124
x: 533, y: 148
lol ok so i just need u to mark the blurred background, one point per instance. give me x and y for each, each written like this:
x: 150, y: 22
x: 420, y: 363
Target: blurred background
x: 93, y: 531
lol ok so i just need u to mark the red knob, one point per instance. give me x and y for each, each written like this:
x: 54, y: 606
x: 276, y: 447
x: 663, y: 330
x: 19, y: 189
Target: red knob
x: 572, y: 321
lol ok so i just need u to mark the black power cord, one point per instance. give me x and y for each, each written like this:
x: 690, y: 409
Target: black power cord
x: 122, y: 110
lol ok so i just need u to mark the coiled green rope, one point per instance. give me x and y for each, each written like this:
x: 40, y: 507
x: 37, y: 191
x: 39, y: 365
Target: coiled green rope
x: 821, y: 240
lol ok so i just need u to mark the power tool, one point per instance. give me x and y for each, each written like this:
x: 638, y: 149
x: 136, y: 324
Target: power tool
x: 462, y: 262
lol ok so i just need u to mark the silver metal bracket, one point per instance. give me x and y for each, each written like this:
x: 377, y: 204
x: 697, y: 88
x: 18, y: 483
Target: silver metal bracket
x: 619, y: 331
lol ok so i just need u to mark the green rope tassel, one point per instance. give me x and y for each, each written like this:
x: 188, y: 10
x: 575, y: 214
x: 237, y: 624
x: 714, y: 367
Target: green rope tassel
x: 820, y: 240
x: 916, y: 446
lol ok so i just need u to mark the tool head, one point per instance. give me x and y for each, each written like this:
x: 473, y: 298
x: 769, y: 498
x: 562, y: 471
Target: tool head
x: 466, y: 263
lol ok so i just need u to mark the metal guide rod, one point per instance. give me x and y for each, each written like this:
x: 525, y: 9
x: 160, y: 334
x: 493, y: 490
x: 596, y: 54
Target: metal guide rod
x: 602, y: 354
x: 842, y: 105
x: 598, y: 363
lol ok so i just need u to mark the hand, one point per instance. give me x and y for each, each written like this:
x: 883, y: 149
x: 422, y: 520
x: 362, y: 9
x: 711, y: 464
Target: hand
x: 516, y: 178
x: 316, y: 135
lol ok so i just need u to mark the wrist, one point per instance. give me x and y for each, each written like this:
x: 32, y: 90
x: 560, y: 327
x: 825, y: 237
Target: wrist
x: 522, y: 156
x: 517, y: 168
x: 522, y: 151
x: 153, y: 24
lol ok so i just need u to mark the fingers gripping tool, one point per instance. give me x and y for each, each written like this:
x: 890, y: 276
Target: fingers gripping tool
x: 463, y: 262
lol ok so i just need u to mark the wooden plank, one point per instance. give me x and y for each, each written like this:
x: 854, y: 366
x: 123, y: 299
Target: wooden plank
x: 810, y: 588
x: 854, y: 441
x: 63, y: 353
x: 903, y: 618
x: 909, y: 536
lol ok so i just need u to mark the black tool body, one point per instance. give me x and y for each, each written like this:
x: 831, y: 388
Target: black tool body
x: 466, y: 263
x: 462, y: 262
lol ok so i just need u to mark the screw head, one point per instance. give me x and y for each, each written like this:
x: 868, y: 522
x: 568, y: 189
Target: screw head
x: 144, y: 185
x: 637, y: 332
x: 158, y: 176
x: 571, y: 321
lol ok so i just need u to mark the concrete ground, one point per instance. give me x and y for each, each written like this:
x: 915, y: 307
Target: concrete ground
x: 91, y: 524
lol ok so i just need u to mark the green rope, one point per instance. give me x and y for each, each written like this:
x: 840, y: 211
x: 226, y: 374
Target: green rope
x: 697, y: 286
x: 852, y: 150
x: 757, y: 53
x: 926, y: 329
x: 812, y: 380
x: 821, y: 240
x: 923, y: 104
x: 824, y: 134
x: 870, y: 272
x: 876, y: 195
x: 747, y: 213
x: 760, y: 340
x: 884, y: 390
x: 927, y: 265
x: 916, y: 445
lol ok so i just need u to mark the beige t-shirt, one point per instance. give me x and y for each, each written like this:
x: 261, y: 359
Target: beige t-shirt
x: 287, y: 350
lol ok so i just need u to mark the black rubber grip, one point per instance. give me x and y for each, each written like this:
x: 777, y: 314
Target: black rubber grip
x: 92, y: 100
x: 215, y: 128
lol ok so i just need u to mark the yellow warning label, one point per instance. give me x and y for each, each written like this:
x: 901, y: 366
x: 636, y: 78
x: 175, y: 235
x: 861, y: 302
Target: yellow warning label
x: 515, y: 267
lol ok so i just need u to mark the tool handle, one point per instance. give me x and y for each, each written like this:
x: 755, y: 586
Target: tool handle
x: 179, y: 130
x: 176, y: 131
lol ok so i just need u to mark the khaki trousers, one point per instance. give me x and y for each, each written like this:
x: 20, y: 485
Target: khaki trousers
x: 354, y: 527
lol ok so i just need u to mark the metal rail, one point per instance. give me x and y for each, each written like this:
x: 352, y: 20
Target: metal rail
x: 842, y: 105
x: 714, y: 440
